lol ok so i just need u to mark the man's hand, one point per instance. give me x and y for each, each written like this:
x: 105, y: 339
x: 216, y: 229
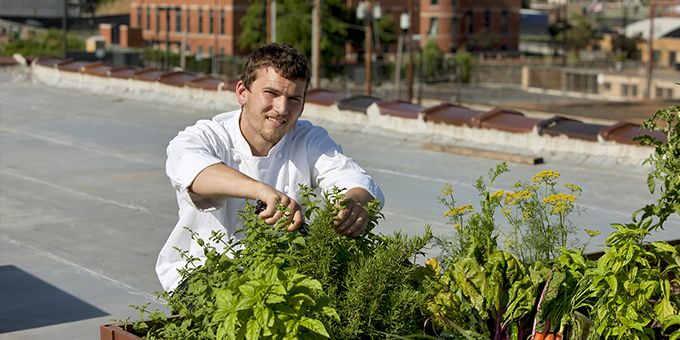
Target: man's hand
x: 353, y: 219
x: 272, y: 197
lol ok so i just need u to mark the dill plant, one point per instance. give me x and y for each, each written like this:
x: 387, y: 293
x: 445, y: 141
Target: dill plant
x: 538, y: 214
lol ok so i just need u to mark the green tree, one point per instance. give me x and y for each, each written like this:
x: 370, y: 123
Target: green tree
x: 463, y: 62
x: 294, y: 26
x: 47, y: 43
x: 580, y: 34
x: 433, y: 59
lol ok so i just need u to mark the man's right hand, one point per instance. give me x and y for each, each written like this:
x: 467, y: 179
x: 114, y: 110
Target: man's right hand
x: 272, y: 197
x: 220, y: 180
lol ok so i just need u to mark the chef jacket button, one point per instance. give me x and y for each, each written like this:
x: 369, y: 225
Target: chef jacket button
x: 279, y: 155
x: 285, y: 189
x: 236, y: 158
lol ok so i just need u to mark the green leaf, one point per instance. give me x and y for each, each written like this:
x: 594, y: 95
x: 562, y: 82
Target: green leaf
x: 651, y: 184
x: 315, y: 326
x: 613, y: 283
x: 665, y: 247
x: 253, y: 330
x: 664, y: 308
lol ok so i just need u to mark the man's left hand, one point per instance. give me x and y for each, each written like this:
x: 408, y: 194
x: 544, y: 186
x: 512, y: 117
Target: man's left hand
x: 353, y: 219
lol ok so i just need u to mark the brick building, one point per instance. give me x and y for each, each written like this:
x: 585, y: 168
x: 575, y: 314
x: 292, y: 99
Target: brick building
x: 479, y: 25
x: 204, y: 26
x: 212, y: 26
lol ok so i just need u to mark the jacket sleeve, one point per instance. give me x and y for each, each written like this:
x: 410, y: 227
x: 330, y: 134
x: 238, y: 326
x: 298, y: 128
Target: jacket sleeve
x: 191, y: 151
x: 333, y: 168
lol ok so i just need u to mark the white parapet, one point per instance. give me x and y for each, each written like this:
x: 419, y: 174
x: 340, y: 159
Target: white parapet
x: 220, y: 100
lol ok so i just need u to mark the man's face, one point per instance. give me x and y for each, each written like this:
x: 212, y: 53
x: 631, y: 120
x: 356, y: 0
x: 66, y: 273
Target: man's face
x: 270, y: 108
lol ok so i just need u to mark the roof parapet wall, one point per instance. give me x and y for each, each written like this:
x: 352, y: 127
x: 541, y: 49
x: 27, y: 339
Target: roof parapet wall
x: 499, y: 127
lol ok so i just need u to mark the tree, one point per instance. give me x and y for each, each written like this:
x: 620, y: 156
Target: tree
x: 581, y: 33
x: 433, y: 59
x: 294, y: 26
x: 463, y: 61
x: 44, y: 44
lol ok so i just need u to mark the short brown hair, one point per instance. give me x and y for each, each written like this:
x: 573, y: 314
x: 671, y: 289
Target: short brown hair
x: 283, y: 58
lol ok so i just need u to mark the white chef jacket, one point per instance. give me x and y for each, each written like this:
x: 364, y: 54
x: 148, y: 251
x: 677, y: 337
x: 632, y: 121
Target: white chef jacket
x: 306, y: 155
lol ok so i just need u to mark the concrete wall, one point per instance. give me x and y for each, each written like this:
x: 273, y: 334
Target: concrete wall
x: 216, y: 101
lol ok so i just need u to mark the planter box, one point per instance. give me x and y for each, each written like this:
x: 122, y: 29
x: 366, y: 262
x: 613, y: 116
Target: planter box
x: 117, y: 332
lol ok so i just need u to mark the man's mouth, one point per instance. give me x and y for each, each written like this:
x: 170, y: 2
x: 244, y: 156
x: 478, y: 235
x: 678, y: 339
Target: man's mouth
x: 277, y: 121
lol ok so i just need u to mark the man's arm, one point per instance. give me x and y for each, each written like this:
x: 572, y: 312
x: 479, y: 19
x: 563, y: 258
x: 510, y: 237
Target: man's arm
x: 221, y: 181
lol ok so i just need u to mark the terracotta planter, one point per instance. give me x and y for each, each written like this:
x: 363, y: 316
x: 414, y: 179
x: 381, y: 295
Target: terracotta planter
x: 117, y: 332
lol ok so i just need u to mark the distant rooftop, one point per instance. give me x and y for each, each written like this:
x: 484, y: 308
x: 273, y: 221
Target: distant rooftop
x: 664, y: 27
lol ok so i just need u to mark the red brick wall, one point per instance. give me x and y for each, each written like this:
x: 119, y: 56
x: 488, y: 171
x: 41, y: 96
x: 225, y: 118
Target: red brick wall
x: 106, y: 31
x: 485, y: 17
x: 233, y: 11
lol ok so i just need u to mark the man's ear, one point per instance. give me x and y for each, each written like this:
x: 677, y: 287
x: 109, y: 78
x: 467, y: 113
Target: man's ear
x: 241, y: 92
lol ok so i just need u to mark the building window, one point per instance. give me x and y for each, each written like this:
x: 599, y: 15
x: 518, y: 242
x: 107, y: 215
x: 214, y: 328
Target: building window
x: 148, y: 18
x: 657, y: 56
x: 504, y: 26
x: 178, y: 20
x: 200, y: 21
x: 469, y: 17
x: 210, y: 21
x: 434, y: 26
x: 659, y: 92
x: 221, y: 51
x: 221, y: 21
x: 634, y: 91
x: 454, y: 26
x: 487, y: 18
x: 158, y: 19
x: 624, y: 90
x: 607, y: 86
x: 139, y: 17
x: 672, y: 59
x: 188, y: 16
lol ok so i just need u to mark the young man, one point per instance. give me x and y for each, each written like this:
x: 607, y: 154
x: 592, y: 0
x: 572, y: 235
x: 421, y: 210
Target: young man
x: 259, y: 152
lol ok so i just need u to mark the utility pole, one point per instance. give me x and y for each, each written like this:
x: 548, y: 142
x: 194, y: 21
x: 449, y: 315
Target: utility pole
x: 316, y: 44
x: 369, y: 48
x: 64, y: 28
x: 404, y: 24
x: 185, y: 37
x: 216, y: 56
x: 409, y: 69
x: 270, y: 12
x: 166, y: 60
x: 650, y: 49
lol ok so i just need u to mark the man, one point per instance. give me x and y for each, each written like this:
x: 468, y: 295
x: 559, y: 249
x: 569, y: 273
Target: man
x: 260, y: 152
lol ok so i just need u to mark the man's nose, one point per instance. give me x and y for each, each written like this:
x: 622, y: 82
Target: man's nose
x: 280, y: 104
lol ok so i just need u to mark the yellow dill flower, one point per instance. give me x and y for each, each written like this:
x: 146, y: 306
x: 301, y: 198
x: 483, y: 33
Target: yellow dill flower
x: 465, y: 208
x: 513, y: 197
x: 559, y: 202
x: 456, y: 226
x: 447, y: 190
x: 498, y: 195
x: 545, y: 176
x: 573, y: 187
x: 591, y: 232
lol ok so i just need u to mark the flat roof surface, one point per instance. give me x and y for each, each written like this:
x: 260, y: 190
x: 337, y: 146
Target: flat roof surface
x: 85, y: 205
